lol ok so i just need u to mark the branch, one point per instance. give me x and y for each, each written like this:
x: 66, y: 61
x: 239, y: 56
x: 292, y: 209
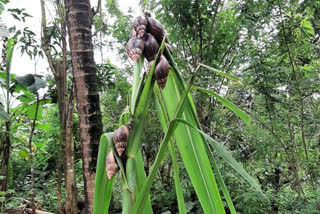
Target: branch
x: 44, y: 39
x: 211, y: 29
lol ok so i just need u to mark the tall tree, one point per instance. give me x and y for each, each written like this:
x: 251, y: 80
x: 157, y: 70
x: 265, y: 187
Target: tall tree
x: 5, y: 142
x: 59, y: 70
x: 79, y: 21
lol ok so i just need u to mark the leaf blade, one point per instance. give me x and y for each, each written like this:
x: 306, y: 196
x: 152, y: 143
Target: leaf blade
x: 244, y: 116
x: 4, y: 115
x: 224, y: 154
x: 228, y: 76
x: 103, y: 186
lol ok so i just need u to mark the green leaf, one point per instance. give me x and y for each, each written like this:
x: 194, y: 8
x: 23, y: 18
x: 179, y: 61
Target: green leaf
x: 3, y: 114
x: 138, y: 206
x: 137, y: 84
x: 226, y: 156
x: 164, y: 120
x: 9, y: 52
x: 39, y: 145
x: 33, y: 82
x: 44, y: 127
x: 228, y: 76
x: 103, y: 186
x: 191, y: 144
x: 244, y: 116
x: 307, y: 27
x: 191, y: 147
x: 222, y: 184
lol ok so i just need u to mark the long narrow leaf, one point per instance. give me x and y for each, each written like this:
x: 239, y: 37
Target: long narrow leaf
x: 164, y: 120
x: 3, y: 115
x: 226, y: 156
x: 228, y: 76
x: 244, y: 116
x: 191, y: 144
x: 103, y: 186
x: 134, y: 141
x: 138, y: 207
x: 137, y: 83
x: 222, y: 185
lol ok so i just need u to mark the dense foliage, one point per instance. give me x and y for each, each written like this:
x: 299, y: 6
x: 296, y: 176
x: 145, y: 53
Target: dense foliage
x: 273, y: 46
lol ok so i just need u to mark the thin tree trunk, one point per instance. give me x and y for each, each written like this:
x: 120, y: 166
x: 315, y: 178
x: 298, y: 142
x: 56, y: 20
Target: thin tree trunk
x: 31, y: 156
x: 6, y: 143
x: 59, y: 179
x: 4, y: 159
x: 79, y: 21
x: 70, y: 179
x: 59, y: 69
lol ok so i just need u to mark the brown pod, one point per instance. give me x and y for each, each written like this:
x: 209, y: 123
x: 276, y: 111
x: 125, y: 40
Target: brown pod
x: 134, y: 48
x: 151, y: 47
x: 120, y: 139
x: 111, y: 166
x: 161, y: 72
x: 156, y: 29
x: 140, y: 25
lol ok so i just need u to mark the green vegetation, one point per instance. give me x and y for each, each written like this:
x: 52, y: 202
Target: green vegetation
x: 235, y: 130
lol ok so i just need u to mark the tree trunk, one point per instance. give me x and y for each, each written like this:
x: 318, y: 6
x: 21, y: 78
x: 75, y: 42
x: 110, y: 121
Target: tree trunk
x: 5, y: 143
x: 59, y: 69
x: 4, y: 159
x: 79, y: 21
x: 69, y: 172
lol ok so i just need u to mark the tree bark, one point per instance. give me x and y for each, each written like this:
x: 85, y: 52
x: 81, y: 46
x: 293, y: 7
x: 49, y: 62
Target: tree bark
x: 33, y: 126
x: 5, y: 143
x: 59, y: 70
x: 79, y: 21
x: 4, y: 159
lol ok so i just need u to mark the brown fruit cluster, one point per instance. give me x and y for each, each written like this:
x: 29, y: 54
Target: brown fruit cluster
x: 145, y: 38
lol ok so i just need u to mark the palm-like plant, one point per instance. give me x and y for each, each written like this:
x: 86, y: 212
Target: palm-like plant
x: 176, y: 112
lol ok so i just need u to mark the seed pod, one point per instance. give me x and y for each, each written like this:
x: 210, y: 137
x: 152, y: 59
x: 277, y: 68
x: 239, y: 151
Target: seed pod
x: 111, y: 165
x: 140, y: 25
x: 151, y: 47
x: 156, y: 29
x: 133, y: 34
x: 162, y: 71
x: 120, y: 139
x: 135, y: 48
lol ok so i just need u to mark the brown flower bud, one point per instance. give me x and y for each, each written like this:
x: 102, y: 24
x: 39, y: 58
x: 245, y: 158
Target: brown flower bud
x: 134, y: 48
x: 111, y: 166
x: 151, y: 47
x: 161, y: 72
x: 120, y: 139
x: 140, y: 25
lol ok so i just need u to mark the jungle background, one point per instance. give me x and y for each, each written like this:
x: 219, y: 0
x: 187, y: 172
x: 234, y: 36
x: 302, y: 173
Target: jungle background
x: 273, y: 46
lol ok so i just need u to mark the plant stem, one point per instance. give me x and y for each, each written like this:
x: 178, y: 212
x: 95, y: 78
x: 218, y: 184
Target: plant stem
x: 30, y: 154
